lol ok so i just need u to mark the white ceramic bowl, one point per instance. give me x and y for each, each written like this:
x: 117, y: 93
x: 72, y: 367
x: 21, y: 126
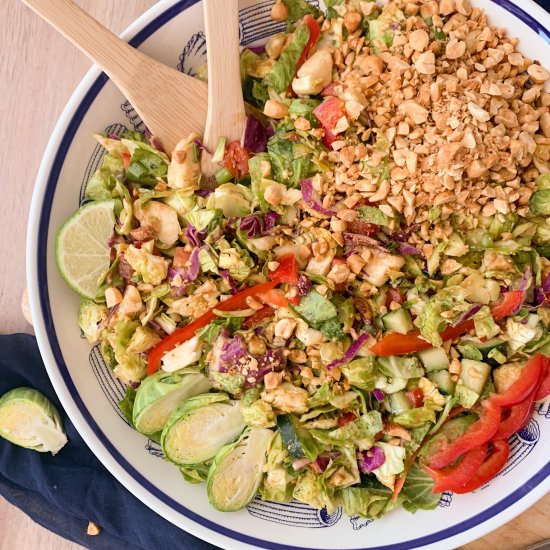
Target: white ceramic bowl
x: 172, y: 32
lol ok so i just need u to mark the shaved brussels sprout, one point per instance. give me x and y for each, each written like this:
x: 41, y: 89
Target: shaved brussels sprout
x: 30, y: 420
x: 200, y: 427
x: 233, y: 199
x: 237, y: 470
x: 159, y: 395
x: 540, y: 203
x: 90, y: 319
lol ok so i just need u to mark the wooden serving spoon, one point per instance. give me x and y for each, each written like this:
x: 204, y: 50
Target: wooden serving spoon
x: 226, y: 114
x: 170, y: 103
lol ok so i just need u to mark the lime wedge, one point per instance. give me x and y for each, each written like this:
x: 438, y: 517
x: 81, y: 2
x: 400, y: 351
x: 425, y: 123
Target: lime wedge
x: 82, y: 250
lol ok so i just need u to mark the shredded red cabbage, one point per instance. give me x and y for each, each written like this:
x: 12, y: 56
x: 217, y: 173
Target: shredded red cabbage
x: 324, y: 459
x: 105, y: 321
x: 309, y: 198
x: 304, y: 285
x: 195, y: 237
x: 153, y: 141
x: 546, y: 284
x: 235, y: 355
x: 203, y: 192
x: 233, y: 350
x: 270, y: 221
x: 225, y: 275
x: 378, y: 395
x: 255, y: 135
x: 370, y: 460
x: 187, y: 274
x: 113, y: 136
x: 351, y: 352
x: 408, y: 250
x: 253, y: 224
x: 526, y: 281
x: 256, y: 224
x: 156, y: 328
x: 467, y: 314
x: 403, y: 235
x: 539, y: 297
x: 200, y: 145
x: 257, y: 49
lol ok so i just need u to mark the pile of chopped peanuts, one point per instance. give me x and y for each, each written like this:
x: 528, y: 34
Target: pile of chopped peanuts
x: 461, y: 116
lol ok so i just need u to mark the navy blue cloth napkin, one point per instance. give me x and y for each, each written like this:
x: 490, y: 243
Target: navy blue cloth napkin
x: 66, y: 491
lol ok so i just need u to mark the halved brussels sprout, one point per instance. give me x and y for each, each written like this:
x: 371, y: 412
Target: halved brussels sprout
x: 200, y: 427
x: 159, y: 395
x: 30, y: 420
x: 237, y: 470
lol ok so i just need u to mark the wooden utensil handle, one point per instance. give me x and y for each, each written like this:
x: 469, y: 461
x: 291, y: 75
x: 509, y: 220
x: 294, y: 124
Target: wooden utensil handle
x: 225, y: 98
x: 87, y: 34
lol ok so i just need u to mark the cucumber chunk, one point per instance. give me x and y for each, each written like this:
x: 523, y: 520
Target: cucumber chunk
x: 399, y: 403
x: 434, y: 359
x: 474, y: 374
x: 486, y: 347
x: 443, y: 380
x: 398, y: 321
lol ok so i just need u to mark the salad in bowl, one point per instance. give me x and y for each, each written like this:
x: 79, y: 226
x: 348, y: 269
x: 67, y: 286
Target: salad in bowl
x: 355, y: 312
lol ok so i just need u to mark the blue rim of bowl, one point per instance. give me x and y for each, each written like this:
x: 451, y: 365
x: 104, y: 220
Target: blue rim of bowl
x: 42, y: 279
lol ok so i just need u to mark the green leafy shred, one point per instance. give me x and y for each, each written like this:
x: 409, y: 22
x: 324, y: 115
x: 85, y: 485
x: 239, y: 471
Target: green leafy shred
x: 298, y: 8
x: 316, y: 309
x: 281, y: 74
x: 126, y: 405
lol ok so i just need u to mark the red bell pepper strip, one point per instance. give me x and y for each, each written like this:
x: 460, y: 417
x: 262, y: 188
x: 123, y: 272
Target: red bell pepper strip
x: 454, y: 477
x: 329, y: 112
x: 287, y: 272
x: 526, y: 384
x: 517, y: 417
x: 477, y: 434
x: 259, y: 317
x: 274, y: 298
x: 510, y: 305
x: 489, y: 469
x: 187, y: 332
x: 314, y: 34
x: 126, y: 158
x: 399, y: 344
x: 543, y: 391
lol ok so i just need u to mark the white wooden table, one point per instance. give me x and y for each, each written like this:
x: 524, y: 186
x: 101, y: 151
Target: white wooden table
x: 38, y: 72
